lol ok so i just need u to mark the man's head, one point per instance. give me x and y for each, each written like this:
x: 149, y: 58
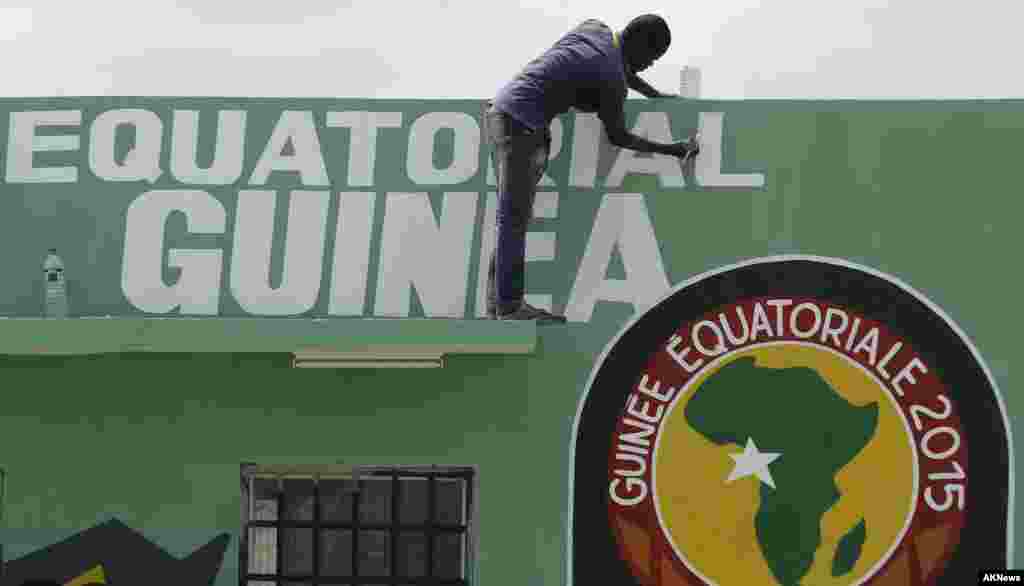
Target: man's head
x: 645, y: 39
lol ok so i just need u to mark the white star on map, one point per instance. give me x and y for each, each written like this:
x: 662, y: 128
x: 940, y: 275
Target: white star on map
x: 752, y: 461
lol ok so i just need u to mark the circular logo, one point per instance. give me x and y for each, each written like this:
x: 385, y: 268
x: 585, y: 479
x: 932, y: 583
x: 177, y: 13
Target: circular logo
x: 793, y: 422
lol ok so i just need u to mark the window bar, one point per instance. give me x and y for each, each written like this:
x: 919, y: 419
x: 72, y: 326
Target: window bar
x: 281, y: 542
x: 469, y: 534
x: 395, y: 505
x: 316, y: 530
x: 244, y: 545
x: 356, y: 502
x: 3, y: 515
x: 431, y: 521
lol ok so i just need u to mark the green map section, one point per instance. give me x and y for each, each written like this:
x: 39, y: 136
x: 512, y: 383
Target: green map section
x: 772, y: 406
x: 849, y: 550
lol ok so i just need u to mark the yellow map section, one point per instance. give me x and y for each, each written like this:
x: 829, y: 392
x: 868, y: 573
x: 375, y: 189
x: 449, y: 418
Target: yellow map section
x: 712, y: 523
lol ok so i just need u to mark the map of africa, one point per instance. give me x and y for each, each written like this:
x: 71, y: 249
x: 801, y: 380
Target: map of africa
x: 794, y: 412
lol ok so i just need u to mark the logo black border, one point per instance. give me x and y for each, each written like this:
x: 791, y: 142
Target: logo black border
x: 593, y: 555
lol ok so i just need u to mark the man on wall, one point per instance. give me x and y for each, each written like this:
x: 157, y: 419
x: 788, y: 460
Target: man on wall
x: 591, y: 69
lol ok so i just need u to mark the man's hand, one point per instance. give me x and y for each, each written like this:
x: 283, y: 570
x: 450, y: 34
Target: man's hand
x: 686, y: 149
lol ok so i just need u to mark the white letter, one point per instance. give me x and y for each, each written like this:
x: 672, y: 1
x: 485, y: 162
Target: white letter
x: 719, y: 347
x: 631, y: 485
x: 793, y: 317
x: 557, y: 136
x: 197, y: 291
x: 586, y: 142
x: 680, y: 357
x: 905, y: 374
x: 351, y: 253
x: 760, y: 323
x: 362, y: 150
x: 540, y: 246
x: 733, y: 338
x: 303, y: 252
x: 853, y: 333
x: 631, y: 458
x: 299, y: 129
x: 652, y: 126
x: 870, y: 344
x: 22, y: 142
x: 638, y: 438
x: 885, y: 360
x: 708, y: 165
x: 640, y: 411
x: 417, y: 251
x: 142, y: 162
x: 827, y: 330
x: 466, y: 149
x: 228, y: 154
x: 778, y: 304
x: 487, y: 243
x: 622, y: 221
x: 653, y: 391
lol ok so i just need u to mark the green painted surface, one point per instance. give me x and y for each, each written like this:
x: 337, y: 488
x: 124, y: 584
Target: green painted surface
x: 926, y: 191
x: 849, y: 549
x: 20, y: 336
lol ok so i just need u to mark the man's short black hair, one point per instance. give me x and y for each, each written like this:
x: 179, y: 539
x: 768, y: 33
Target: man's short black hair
x: 648, y: 34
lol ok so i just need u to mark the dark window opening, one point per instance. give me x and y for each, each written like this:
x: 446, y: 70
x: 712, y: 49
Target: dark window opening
x: 401, y: 526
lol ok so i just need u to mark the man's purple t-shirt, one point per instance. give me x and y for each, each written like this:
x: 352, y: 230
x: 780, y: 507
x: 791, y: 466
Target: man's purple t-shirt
x: 583, y: 70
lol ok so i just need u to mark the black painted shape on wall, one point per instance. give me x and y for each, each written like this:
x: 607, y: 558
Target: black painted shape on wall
x: 127, y: 558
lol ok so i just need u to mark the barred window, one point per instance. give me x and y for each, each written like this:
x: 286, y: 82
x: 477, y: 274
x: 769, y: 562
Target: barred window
x: 404, y: 526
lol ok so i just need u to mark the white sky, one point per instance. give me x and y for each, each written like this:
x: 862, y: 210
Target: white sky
x: 468, y: 48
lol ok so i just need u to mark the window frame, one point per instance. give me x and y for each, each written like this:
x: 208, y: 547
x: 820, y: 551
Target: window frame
x: 430, y: 528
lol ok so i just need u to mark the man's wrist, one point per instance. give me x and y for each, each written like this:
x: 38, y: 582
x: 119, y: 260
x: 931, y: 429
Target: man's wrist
x: 668, y: 149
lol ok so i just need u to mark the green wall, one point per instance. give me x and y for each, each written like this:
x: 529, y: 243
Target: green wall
x: 925, y: 191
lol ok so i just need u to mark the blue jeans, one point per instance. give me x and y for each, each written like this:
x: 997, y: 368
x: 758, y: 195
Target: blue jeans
x: 520, y: 159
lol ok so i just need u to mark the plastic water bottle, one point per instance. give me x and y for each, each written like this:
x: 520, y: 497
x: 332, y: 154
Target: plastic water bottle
x: 55, y: 297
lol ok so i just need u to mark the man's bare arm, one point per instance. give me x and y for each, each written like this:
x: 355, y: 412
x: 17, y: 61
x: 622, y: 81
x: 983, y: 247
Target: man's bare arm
x: 627, y: 140
x: 644, y: 88
x: 615, y: 127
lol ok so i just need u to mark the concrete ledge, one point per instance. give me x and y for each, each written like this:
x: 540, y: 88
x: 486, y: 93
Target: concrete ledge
x: 82, y: 336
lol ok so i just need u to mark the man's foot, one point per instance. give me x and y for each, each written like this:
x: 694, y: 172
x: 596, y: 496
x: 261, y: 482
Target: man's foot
x: 527, y: 312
